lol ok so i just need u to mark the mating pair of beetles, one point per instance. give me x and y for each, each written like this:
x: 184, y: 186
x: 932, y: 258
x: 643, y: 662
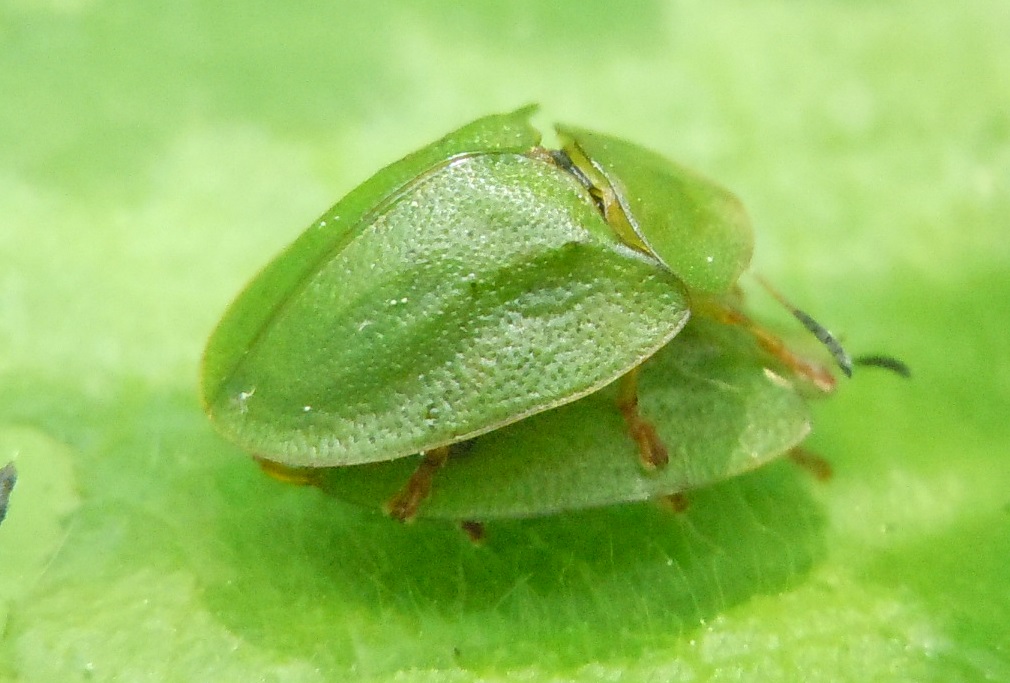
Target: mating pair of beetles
x: 488, y: 328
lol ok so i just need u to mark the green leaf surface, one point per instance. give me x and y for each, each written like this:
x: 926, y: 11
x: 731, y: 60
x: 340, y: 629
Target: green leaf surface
x: 153, y: 158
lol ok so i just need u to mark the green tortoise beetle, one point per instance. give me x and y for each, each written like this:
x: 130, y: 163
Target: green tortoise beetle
x: 484, y: 286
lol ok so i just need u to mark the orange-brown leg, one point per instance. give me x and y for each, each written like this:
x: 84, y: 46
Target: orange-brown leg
x: 814, y: 373
x: 404, y: 504
x: 650, y: 447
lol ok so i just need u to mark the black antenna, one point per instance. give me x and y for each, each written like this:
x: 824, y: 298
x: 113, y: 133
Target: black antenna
x: 891, y: 363
x: 841, y: 356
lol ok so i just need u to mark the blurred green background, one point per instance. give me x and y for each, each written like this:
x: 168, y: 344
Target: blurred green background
x: 152, y: 157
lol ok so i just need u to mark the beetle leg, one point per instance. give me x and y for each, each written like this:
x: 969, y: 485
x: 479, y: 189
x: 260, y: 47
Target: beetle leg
x: 405, y: 502
x: 814, y: 373
x: 652, y: 450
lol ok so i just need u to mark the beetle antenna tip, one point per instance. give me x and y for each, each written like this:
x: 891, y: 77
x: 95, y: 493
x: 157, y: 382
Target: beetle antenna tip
x: 895, y: 365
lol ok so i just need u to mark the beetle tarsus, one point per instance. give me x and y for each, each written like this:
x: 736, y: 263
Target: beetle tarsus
x: 651, y: 448
x: 404, y: 504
